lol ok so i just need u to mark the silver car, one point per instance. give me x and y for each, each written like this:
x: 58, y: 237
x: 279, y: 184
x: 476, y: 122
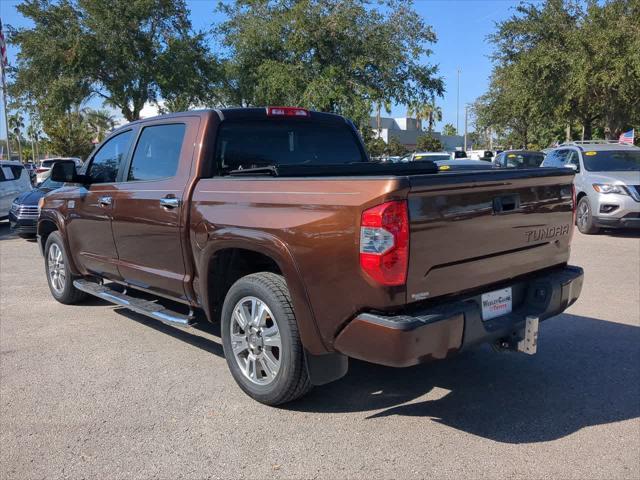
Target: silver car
x: 607, y: 183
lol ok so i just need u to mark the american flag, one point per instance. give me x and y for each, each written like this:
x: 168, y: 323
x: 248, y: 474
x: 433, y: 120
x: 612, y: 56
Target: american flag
x: 627, y: 137
x: 3, y: 48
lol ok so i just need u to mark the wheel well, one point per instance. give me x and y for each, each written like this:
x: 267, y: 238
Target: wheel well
x: 45, y: 228
x: 580, y: 195
x: 229, y: 265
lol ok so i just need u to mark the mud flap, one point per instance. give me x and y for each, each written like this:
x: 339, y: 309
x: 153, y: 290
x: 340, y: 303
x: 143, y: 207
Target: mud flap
x: 323, y: 369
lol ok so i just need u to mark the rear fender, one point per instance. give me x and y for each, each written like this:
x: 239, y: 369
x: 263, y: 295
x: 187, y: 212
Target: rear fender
x: 272, y: 247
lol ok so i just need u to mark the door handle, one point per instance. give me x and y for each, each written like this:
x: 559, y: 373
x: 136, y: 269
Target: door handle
x: 169, y: 202
x: 105, y: 201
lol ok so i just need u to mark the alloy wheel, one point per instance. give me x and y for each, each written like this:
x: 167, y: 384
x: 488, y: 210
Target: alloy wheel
x: 583, y: 214
x: 256, y: 341
x: 55, y: 263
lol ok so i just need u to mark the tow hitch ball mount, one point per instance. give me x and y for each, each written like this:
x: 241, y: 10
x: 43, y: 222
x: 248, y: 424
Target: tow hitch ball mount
x: 525, y: 340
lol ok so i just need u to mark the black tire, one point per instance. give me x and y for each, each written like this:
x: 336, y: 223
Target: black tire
x: 292, y: 380
x: 584, y: 217
x: 67, y: 294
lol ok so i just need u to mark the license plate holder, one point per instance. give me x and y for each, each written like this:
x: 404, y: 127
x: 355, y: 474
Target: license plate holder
x: 497, y: 303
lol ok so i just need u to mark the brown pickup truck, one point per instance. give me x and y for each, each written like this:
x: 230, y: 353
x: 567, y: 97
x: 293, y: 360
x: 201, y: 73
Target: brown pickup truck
x: 275, y: 222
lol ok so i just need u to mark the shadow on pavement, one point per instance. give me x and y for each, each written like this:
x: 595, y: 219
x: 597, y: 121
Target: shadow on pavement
x: 622, y: 233
x: 5, y: 231
x: 585, y: 373
x: 179, y: 333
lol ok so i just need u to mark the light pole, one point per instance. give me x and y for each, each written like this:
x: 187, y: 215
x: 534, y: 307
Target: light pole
x: 458, y: 105
x: 466, y: 107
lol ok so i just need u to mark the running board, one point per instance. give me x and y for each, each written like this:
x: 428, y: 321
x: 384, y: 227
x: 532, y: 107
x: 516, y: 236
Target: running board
x: 143, y: 307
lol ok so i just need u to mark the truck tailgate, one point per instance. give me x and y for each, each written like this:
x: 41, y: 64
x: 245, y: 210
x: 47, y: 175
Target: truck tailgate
x: 470, y: 229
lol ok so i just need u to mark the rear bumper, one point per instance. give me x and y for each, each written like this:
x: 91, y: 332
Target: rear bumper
x: 435, y: 333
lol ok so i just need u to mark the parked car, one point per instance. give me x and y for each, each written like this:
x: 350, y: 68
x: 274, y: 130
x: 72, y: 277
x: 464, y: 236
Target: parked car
x: 274, y: 222
x: 31, y: 169
x: 485, y: 155
x: 14, y: 180
x: 519, y: 159
x: 23, y: 216
x: 44, y: 169
x: 431, y: 156
x: 607, y: 183
x: 463, y: 164
x: 458, y: 154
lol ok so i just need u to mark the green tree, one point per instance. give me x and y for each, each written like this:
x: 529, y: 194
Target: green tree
x: 429, y: 111
x: 342, y: 56
x: 428, y: 143
x: 16, y: 126
x: 34, y: 133
x: 125, y: 51
x: 449, y: 130
x: 564, y: 64
x: 69, y: 134
x: 395, y: 148
x: 100, y: 122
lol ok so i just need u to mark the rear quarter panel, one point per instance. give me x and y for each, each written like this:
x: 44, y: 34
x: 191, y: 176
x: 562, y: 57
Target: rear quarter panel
x: 310, y: 227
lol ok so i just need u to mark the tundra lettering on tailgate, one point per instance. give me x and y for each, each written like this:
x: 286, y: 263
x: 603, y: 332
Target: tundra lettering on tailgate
x: 547, y: 233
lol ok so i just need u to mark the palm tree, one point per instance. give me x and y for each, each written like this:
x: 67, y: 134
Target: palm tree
x: 16, y: 124
x: 34, y: 133
x: 99, y: 121
x: 429, y: 111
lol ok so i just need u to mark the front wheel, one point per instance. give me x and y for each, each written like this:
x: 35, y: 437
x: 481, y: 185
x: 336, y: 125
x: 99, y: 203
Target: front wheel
x: 261, y: 340
x: 584, y: 217
x: 58, y: 273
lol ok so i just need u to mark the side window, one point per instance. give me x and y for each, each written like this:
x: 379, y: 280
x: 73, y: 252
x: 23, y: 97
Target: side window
x: 16, y: 170
x: 106, y: 162
x: 556, y: 158
x: 2, y: 177
x: 157, y: 153
x: 562, y: 156
x: 7, y: 173
x: 573, y: 158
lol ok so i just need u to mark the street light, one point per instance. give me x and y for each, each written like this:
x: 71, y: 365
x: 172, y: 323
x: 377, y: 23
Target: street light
x: 458, y: 105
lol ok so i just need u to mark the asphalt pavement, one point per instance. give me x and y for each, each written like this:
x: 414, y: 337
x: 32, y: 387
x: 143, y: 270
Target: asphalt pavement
x: 92, y: 391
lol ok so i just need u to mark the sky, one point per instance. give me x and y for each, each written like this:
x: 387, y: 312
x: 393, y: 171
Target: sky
x: 461, y: 27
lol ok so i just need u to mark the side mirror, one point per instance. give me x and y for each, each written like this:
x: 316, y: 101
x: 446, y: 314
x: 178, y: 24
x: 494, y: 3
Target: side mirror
x: 572, y: 166
x: 65, y: 172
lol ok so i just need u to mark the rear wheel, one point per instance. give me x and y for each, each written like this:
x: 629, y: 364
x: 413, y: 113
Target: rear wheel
x: 261, y: 340
x: 584, y: 217
x: 58, y: 274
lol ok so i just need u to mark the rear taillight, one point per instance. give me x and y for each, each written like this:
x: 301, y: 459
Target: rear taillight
x: 574, y: 206
x: 287, y: 112
x: 384, y: 242
x: 40, y: 170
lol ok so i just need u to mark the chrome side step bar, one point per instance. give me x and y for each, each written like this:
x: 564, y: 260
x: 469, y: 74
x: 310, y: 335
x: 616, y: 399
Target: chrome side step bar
x: 143, y: 307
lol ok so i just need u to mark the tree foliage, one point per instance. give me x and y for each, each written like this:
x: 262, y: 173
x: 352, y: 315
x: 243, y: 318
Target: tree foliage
x: 395, y: 148
x: 342, y: 56
x: 449, y: 130
x: 428, y: 143
x: 565, y: 63
x: 129, y: 52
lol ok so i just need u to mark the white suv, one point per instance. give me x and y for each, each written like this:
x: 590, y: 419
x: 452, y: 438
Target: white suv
x: 607, y: 182
x: 14, y: 179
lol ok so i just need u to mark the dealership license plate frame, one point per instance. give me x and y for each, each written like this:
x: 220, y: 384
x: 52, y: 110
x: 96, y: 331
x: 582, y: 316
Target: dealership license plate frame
x: 496, y: 303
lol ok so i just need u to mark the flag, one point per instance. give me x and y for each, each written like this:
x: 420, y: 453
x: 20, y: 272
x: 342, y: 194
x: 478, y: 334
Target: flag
x: 627, y: 137
x: 3, y: 48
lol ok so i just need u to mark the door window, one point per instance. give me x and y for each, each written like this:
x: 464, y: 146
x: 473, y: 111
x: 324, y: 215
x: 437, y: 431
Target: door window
x: 158, y: 152
x: 106, y: 162
x: 572, y: 159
